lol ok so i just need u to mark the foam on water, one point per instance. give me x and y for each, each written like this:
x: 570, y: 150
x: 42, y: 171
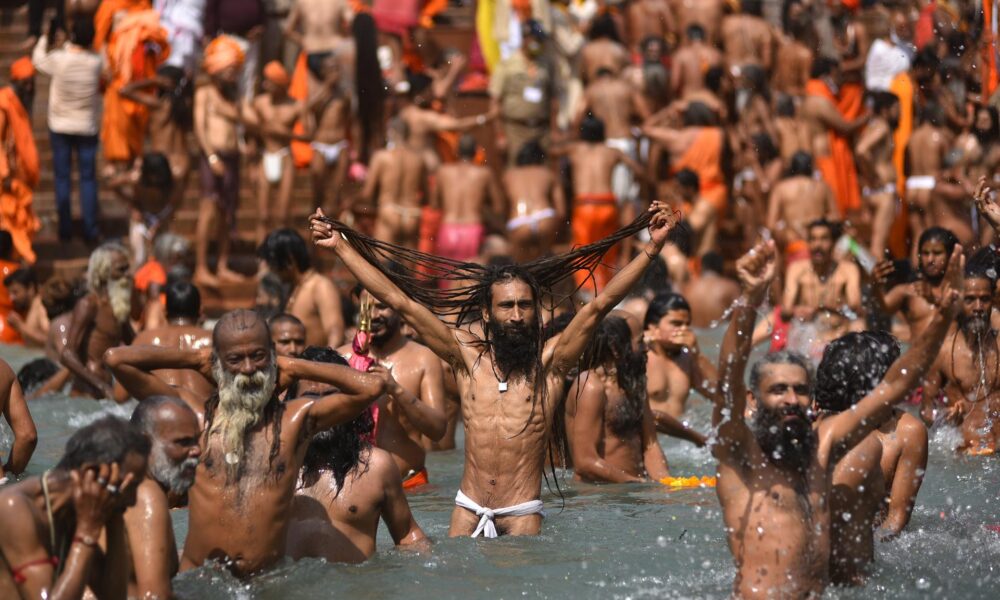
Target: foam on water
x: 609, y: 541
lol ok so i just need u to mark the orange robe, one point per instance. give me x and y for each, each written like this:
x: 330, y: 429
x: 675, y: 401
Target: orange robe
x: 8, y: 335
x: 704, y: 157
x: 123, y: 126
x: 16, y: 214
x: 902, y: 86
x: 105, y: 16
x: 838, y: 169
x: 302, y: 152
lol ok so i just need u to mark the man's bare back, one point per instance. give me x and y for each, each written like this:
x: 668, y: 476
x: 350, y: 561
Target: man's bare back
x: 649, y: 18
x: 615, y: 102
x: 690, y: 63
x: 182, y: 337
x: 318, y: 25
x: 537, y: 207
x: 707, y: 13
x: 794, y: 203
x: 746, y: 39
x: 397, y: 180
x: 463, y: 189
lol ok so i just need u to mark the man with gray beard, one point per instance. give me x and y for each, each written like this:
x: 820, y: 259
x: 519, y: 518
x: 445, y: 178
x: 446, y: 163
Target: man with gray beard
x: 253, y: 445
x: 174, y: 431
x: 100, y: 321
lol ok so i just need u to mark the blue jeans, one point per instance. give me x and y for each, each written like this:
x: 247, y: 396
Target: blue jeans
x: 85, y: 146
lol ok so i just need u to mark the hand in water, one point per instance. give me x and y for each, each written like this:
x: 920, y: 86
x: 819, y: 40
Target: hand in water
x: 756, y: 269
x: 986, y: 203
x: 955, y: 413
x: 322, y: 232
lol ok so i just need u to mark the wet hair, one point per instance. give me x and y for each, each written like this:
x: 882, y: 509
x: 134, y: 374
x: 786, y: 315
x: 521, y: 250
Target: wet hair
x: 660, y: 305
x: 604, y: 72
x: 852, y: 366
x: 155, y: 172
x: 611, y: 346
x: 990, y: 135
x: 653, y: 40
x: 592, y: 129
x: 99, y: 264
x: 144, y: 416
x: 283, y: 248
x: 603, y: 26
x: 765, y: 147
x: 932, y: 113
x: 342, y: 448
x: 320, y: 354
x: 712, y: 262
x: 687, y: 178
x: 82, y: 33
x: 368, y: 80
x: 467, y: 147
x: 35, y: 373
x: 533, y: 28
x: 531, y: 153
x: 938, y: 234
x: 801, y: 164
x: 883, y: 101
x: 983, y: 265
x: 183, y: 301
x: 654, y: 281
x: 752, y: 7
x: 181, y: 95
x: 556, y: 325
x: 698, y: 114
x: 24, y: 276
x: 6, y: 245
x: 106, y: 440
x: 822, y: 66
x: 784, y: 357
x: 695, y: 31
x: 832, y: 227
x: 285, y: 318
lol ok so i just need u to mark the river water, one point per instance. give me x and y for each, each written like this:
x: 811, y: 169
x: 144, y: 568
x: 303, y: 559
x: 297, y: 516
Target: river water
x: 608, y: 541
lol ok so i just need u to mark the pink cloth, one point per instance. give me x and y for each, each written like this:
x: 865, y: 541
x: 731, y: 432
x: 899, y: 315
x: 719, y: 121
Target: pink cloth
x: 360, y: 361
x: 459, y: 241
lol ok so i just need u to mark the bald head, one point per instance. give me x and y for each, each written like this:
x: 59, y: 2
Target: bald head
x: 242, y: 342
x: 155, y: 411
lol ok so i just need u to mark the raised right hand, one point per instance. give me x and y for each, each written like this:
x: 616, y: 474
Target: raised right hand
x: 756, y: 269
x: 953, y: 284
x: 986, y: 203
x: 322, y: 232
x: 882, y: 271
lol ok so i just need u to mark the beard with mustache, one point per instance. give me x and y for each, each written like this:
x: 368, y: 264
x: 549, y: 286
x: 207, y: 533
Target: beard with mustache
x: 120, y: 297
x: 974, y: 327
x: 177, y: 478
x: 789, y: 445
x: 242, y: 400
x: 515, y: 349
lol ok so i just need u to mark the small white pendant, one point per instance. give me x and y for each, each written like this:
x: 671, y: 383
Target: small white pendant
x: 502, y: 386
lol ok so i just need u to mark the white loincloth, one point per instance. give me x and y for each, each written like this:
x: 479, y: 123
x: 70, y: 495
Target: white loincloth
x: 272, y: 163
x: 920, y: 182
x: 330, y: 152
x: 486, y: 526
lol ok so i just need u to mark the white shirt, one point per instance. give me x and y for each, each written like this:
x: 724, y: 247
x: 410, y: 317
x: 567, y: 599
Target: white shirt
x: 884, y: 62
x: 75, y: 98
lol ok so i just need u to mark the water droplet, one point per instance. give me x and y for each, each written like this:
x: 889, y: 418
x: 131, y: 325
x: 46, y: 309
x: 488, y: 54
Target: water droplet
x: 661, y: 542
x: 923, y: 584
x: 846, y: 517
x: 232, y: 458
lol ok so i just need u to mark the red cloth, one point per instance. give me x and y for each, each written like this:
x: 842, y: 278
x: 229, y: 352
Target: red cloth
x: 396, y: 16
x: 416, y: 480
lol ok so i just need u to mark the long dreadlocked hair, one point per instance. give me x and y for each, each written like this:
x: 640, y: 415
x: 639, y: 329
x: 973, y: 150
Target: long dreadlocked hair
x: 471, y: 286
x: 612, y: 347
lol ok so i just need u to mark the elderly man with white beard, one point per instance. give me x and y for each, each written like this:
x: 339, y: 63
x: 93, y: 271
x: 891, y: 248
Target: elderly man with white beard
x: 174, y: 431
x: 100, y: 321
x: 253, y: 445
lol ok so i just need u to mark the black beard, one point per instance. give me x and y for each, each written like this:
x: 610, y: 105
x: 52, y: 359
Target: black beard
x: 388, y: 332
x: 985, y: 138
x: 974, y: 328
x: 515, y: 349
x: 790, y: 446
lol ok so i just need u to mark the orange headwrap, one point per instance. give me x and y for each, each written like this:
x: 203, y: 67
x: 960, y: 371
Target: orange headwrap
x: 276, y: 74
x: 221, y: 53
x: 22, y: 68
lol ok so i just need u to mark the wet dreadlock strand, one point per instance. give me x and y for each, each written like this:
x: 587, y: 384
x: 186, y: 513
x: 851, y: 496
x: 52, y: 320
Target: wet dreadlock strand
x: 461, y: 300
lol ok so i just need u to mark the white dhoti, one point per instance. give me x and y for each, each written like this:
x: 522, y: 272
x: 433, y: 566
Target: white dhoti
x: 486, y: 525
x: 623, y: 183
x: 920, y: 182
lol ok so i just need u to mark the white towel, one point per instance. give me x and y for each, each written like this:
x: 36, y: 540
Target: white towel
x: 486, y: 526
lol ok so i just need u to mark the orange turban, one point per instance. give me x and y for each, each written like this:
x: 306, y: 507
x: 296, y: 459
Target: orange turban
x: 276, y: 74
x: 22, y: 69
x: 221, y: 53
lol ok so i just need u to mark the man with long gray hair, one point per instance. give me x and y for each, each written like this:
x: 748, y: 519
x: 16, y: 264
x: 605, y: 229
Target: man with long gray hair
x: 100, y: 321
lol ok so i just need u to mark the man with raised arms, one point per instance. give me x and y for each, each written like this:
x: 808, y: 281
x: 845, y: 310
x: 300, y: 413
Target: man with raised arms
x: 505, y: 378
x: 253, y: 444
x: 775, y: 469
x: 15, y: 413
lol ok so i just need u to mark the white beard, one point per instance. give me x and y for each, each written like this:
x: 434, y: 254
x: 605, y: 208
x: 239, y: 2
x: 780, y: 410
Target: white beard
x: 120, y: 297
x: 172, y: 476
x: 242, y: 399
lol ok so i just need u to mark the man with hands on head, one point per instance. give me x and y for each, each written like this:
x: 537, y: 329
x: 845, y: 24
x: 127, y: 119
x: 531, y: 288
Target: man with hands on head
x: 52, y: 524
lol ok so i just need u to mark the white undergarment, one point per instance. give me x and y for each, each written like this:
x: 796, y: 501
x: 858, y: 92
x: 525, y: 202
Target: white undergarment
x: 486, y: 526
